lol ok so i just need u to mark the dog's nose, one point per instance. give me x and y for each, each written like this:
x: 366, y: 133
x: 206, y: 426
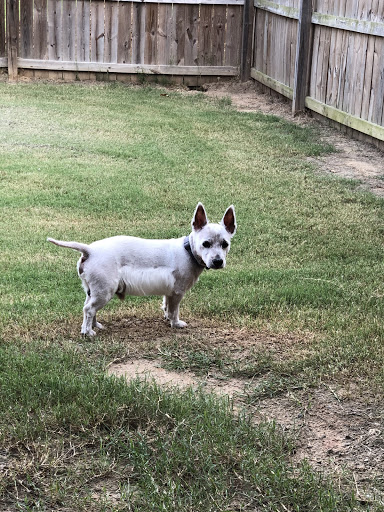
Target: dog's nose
x: 217, y: 262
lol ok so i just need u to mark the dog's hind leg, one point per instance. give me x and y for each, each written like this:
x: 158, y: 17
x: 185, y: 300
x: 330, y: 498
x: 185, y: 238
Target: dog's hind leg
x: 173, y: 307
x: 93, y: 303
x: 95, y: 323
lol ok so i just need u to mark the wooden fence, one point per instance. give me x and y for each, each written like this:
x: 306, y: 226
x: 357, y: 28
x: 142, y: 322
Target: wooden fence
x: 185, y: 37
x: 325, y: 55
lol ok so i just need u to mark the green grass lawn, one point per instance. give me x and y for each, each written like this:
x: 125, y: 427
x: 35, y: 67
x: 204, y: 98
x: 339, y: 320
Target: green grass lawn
x: 86, y: 162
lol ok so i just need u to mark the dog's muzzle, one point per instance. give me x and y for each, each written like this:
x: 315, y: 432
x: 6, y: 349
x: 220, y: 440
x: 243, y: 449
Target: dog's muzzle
x: 217, y: 263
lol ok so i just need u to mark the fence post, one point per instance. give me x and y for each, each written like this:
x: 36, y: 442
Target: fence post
x: 303, y: 49
x: 12, y: 37
x: 246, y: 44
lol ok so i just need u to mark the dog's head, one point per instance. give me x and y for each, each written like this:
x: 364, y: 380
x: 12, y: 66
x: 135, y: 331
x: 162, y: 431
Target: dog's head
x: 211, y: 242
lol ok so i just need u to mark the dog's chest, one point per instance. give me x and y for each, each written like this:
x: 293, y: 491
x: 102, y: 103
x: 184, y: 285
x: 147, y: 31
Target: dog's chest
x: 148, y: 281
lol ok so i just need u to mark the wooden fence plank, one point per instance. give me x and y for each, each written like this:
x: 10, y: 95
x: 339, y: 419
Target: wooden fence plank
x: 367, y: 86
x: 138, y: 33
x: 150, y: 43
x: 218, y: 34
x: 179, y: 13
x: 377, y: 96
x: 83, y: 30
x: 171, y: 35
x: 205, y: 35
x: 40, y: 29
x: 69, y: 30
x: 2, y: 29
x: 97, y: 31
x: 233, y: 36
x: 107, y: 32
x: 124, y: 38
x: 161, y: 34
x: 110, y: 31
x: 26, y: 29
x: 54, y: 35
x: 191, y: 35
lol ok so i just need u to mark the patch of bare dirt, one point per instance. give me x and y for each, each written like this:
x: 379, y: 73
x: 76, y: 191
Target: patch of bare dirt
x: 353, y: 159
x: 337, y: 433
x: 336, y: 430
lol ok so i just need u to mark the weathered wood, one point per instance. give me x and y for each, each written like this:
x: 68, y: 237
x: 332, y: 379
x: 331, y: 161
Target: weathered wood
x: 150, y: 45
x: 233, y: 36
x: 97, y: 31
x: 246, y: 43
x: 218, y: 34
x: 54, y: 31
x: 179, y: 11
x: 138, y: 33
x: 40, y: 29
x: 26, y: 29
x: 273, y: 84
x: 101, y: 67
x: 171, y: 44
x: 346, y: 119
x: 12, y: 38
x: 277, y: 8
x: 352, y: 25
x: 69, y: 30
x: 194, y: 2
x: 191, y: 35
x: 2, y: 31
x: 205, y: 37
x: 328, y: 20
x: 124, y: 38
x: 303, y: 49
x: 161, y: 34
x: 367, y: 86
x: 83, y: 30
x: 377, y: 94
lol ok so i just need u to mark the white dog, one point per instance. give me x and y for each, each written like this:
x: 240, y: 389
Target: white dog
x: 125, y: 265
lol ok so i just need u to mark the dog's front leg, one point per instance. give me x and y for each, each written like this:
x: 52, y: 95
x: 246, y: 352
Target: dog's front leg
x: 173, y: 306
x: 164, y: 307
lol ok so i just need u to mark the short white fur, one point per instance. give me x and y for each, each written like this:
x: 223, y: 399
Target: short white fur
x: 126, y: 265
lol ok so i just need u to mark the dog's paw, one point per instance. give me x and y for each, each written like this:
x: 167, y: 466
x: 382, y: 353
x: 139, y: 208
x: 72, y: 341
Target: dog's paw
x: 90, y: 333
x: 99, y: 325
x: 179, y: 324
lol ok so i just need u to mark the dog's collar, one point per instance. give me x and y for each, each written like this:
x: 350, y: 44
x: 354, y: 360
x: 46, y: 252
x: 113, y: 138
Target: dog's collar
x: 187, y: 246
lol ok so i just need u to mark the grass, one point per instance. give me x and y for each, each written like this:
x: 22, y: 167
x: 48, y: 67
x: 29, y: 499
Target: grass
x: 84, y: 433
x: 86, y: 162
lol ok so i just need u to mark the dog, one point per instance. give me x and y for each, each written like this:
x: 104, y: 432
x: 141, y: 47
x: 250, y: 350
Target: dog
x: 126, y: 265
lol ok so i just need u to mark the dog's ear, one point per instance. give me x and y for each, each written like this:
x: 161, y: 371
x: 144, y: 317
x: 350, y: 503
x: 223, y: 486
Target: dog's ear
x: 200, y: 218
x: 229, y: 220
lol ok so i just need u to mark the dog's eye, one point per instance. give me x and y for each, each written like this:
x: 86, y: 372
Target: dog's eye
x: 207, y: 244
x: 224, y: 245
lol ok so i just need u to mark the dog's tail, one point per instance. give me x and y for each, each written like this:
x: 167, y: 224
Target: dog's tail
x: 83, y: 248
